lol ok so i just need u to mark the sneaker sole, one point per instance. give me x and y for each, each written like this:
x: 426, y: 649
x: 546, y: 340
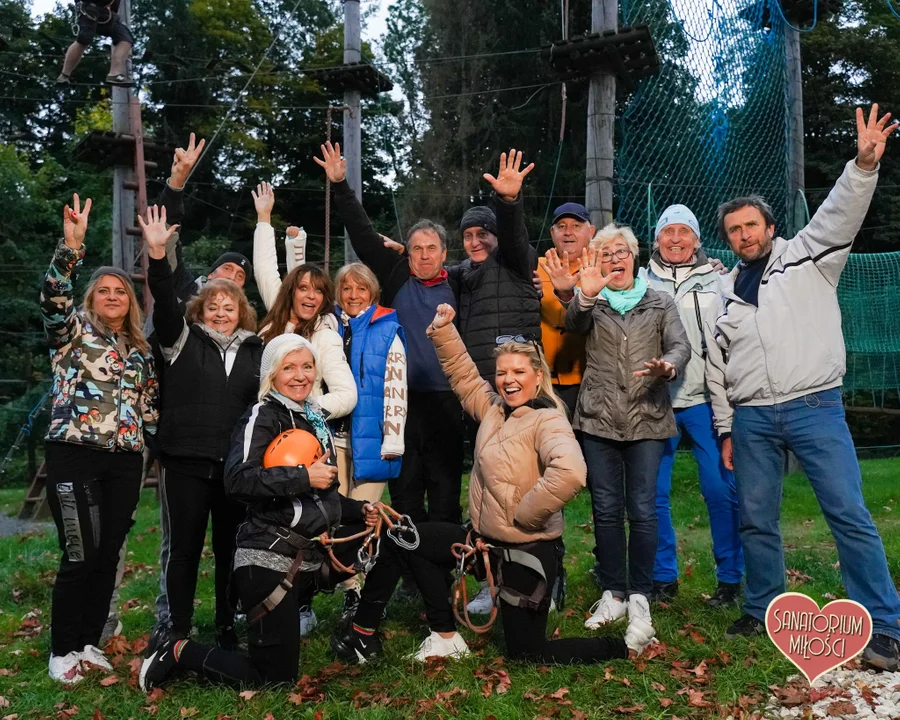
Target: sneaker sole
x: 459, y: 655
x: 142, y: 678
x: 880, y: 662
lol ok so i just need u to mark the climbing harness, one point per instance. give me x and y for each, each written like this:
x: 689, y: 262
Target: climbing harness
x: 467, y: 556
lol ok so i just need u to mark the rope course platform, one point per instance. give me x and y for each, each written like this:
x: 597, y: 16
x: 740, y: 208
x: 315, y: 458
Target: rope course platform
x: 629, y: 53
x: 361, y: 76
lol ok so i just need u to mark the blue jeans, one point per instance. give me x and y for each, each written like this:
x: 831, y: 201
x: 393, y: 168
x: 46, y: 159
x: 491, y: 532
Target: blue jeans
x: 814, y: 429
x: 622, y: 477
x: 716, y: 487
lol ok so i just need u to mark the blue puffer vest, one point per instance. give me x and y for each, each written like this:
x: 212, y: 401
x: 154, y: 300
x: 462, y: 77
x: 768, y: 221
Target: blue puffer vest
x: 373, y: 332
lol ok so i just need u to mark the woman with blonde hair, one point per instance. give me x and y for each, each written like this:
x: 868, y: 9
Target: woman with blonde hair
x: 211, y: 359
x: 278, y: 563
x: 527, y: 466
x: 104, y: 399
x: 635, y: 345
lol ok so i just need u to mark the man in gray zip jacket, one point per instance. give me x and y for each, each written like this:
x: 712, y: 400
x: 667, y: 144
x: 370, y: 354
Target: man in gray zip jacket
x: 775, y: 378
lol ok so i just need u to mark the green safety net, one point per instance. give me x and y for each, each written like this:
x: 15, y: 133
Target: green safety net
x: 714, y: 124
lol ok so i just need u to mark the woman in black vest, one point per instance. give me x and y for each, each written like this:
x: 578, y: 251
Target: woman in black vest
x: 211, y: 370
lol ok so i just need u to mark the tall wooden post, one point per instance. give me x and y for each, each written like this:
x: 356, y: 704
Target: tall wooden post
x: 794, y: 96
x: 123, y: 175
x: 601, y: 118
x: 352, y: 124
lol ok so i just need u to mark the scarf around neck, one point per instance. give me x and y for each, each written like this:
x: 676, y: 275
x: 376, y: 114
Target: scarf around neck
x: 624, y: 300
x: 311, y: 413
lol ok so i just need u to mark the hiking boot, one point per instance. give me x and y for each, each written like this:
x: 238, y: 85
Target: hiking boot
x: 355, y: 648
x: 663, y: 591
x: 746, y: 626
x: 606, y: 610
x: 882, y: 653
x: 66, y: 668
x: 436, y: 646
x: 726, y: 595
x: 482, y: 603
x: 226, y: 637
x: 92, y: 658
x: 159, y: 666
x: 308, y: 620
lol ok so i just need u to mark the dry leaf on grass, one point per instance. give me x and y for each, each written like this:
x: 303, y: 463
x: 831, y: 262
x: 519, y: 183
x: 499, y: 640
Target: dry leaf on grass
x: 841, y: 709
x: 247, y: 694
x: 109, y: 680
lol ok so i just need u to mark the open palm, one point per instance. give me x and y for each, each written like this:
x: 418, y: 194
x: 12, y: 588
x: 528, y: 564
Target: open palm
x: 872, y: 137
x: 509, y: 178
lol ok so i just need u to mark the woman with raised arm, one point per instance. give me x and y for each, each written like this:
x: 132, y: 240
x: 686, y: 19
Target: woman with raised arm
x: 636, y: 344
x: 527, y: 466
x: 278, y: 562
x: 212, y: 357
x: 103, y: 402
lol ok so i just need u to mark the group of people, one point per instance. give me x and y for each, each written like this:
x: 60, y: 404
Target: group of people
x: 577, y: 368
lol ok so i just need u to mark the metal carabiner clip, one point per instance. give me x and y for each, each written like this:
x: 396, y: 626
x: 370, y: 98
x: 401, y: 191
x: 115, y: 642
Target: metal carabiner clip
x: 404, y: 525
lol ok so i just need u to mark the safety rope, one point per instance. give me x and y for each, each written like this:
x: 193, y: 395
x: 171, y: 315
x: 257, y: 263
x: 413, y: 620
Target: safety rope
x: 467, y: 556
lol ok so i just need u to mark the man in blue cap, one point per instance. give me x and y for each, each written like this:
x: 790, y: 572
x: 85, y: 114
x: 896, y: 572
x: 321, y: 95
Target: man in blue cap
x: 679, y: 267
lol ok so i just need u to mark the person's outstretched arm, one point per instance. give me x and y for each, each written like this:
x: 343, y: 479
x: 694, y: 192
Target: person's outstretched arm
x: 265, y: 257
x: 512, y: 236
x: 172, y: 199
x: 474, y: 393
x: 168, y: 320
x: 61, y: 323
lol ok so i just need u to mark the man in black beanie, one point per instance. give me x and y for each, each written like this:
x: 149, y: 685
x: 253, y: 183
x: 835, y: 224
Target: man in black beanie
x: 496, y: 294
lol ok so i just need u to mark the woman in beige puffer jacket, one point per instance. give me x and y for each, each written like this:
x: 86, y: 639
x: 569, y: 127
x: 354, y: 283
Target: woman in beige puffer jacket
x: 527, y: 466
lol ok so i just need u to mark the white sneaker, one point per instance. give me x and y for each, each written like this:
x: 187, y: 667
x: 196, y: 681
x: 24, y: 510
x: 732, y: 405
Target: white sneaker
x: 66, y: 668
x: 606, y: 610
x: 640, y: 625
x: 308, y: 620
x: 639, y: 635
x: 482, y: 603
x: 93, y: 656
x: 436, y: 646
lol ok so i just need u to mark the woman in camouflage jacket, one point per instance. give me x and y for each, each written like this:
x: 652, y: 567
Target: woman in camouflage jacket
x: 104, y: 398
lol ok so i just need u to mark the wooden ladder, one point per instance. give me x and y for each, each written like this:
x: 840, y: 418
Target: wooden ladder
x: 35, y: 505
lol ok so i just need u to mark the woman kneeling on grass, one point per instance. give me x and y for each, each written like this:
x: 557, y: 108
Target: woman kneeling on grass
x: 287, y: 507
x: 527, y: 466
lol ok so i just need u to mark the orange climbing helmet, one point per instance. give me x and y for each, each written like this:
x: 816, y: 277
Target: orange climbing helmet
x: 293, y: 447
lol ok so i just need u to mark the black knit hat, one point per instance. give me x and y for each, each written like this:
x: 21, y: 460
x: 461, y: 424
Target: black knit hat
x: 111, y: 270
x: 233, y: 257
x: 479, y: 216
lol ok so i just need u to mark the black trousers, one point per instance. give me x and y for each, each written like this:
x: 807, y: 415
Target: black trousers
x: 525, y: 629
x: 189, y: 503
x: 433, y: 460
x: 92, y: 495
x: 273, y: 642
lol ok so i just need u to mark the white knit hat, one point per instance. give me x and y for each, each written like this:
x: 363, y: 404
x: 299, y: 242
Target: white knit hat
x: 278, y: 348
x: 677, y: 214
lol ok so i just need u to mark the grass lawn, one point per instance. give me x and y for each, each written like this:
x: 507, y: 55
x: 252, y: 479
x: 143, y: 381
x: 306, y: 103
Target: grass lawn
x: 711, y: 674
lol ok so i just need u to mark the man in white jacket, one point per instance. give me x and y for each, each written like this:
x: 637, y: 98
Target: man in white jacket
x: 775, y: 380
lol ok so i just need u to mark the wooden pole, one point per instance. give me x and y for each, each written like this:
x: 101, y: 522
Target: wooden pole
x: 123, y: 198
x: 601, y: 118
x: 794, y: 96
x: 352, y: 124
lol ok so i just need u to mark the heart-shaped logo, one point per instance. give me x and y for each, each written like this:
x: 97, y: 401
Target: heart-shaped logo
x: 817, y: 641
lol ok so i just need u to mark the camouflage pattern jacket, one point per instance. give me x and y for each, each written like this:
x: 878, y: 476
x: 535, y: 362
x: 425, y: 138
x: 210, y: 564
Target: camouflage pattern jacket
x: 99, y: 399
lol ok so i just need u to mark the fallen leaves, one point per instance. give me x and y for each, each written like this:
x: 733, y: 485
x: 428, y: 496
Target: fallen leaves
x: 187, y: 712
x: 629, y: 710
x: 841, y: 709
x: 796, y: 578
x: 690, y: 630
x: 247, y: 694
x: 109, y: 680
x: 496, y: 678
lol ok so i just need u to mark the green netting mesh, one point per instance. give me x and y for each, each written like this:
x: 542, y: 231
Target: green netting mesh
x: 714, y: 124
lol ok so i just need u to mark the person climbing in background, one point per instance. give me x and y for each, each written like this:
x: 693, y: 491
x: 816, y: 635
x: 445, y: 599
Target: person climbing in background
x: 99, y: 17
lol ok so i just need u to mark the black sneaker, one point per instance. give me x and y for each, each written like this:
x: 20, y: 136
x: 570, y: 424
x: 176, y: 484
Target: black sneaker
x: 159, y: 635
x: 351, y: 602
x: 352, y: 648
x: 663, y: 591
x: 159, y: 666
x: 746, y: 626
x: 882, y: 653
x: 407, y: 591
x: 226, y: 637
x: 726, y: 595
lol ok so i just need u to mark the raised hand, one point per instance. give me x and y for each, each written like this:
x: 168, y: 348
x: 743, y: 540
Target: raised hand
x: 592, y: 280
x: 871, y: 137
x: 264, y: 201
x: 561, y: 277
x: 75, y: 222
x: 509, y: 178
x: 335, y: 166
x: 656, y: 368
x: 156, y: 234
x: 292, y: 231
x: 184, y: 162
x: 444, y: 316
